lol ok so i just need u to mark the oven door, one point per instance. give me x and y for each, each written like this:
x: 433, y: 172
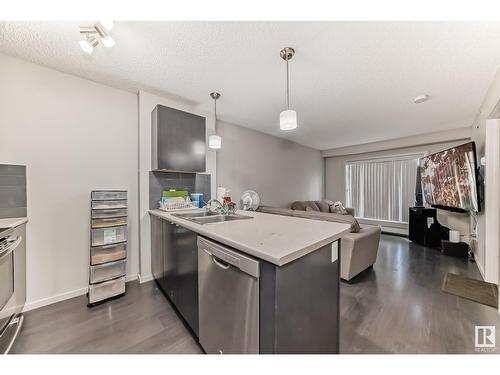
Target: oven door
x: 10, y: 304
x: 6, y: 281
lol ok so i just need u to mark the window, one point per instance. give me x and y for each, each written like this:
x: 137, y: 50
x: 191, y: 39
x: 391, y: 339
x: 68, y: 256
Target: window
x: 382, y: 189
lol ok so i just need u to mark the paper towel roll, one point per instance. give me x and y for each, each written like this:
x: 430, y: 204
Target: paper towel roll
x: 454, y: 236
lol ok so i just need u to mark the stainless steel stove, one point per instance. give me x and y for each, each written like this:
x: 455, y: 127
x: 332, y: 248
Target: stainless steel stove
x: 12, y: 284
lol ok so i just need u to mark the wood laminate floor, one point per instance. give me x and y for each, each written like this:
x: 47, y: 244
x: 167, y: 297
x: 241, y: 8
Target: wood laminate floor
x: 396, y: 307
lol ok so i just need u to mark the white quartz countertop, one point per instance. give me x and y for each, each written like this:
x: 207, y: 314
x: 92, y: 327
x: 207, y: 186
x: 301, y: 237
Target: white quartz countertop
x: 13, y: 222
x: 273, y: 238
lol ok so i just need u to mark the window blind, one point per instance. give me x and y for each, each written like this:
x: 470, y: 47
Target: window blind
x: 382, y: 189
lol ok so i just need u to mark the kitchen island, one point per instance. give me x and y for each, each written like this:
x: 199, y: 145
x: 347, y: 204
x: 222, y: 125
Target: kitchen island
x: 269, y: 284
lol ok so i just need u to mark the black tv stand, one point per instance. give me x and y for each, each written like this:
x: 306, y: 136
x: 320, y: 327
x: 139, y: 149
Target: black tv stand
x: 425, y: 229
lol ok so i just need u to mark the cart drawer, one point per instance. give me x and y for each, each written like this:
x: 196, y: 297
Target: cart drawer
x: 107, y: 271
x: 104, y: 214
x: 105, y: 205
x: 108, y: 253
x: 108, y: 195
x: 111, y: 222
x: 108, y: 236
x: 107, y: 289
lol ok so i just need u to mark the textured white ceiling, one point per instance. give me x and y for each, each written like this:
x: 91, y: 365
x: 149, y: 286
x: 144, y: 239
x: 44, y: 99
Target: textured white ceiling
x: 351, y: 82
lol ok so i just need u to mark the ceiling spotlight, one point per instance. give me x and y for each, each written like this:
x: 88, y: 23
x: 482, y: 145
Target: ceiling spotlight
x: 95, y: 34
x: 106, y: 38
x: 108, y: 25
x: 421, y: 98
x: 108, y: 41
x: 88, y: 44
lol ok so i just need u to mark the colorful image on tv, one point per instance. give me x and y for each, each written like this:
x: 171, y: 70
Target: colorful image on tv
x: 449, y: 178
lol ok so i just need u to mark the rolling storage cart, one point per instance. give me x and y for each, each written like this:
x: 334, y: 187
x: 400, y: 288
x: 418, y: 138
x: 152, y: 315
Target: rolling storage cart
x: 108, y: 245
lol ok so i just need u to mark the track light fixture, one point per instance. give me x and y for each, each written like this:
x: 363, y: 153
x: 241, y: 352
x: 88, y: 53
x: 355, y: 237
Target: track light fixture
x: 91, y: 33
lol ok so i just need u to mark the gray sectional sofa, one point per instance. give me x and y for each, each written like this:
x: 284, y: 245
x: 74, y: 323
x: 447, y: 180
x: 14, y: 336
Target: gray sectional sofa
x: 358, y: 248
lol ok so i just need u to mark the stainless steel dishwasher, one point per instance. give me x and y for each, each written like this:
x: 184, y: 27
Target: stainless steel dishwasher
x: 228, y: 299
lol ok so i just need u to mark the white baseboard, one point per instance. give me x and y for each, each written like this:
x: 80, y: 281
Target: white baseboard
x: 387, y: 226
x: 391, y: 230
x: 53, y: 299
x: 67, y: 295
x: 131, y: 277
x: 145, y: 278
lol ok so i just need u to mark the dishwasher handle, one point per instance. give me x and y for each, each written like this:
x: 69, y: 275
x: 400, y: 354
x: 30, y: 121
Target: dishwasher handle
x: 225, y: 257
x: 220, y: 263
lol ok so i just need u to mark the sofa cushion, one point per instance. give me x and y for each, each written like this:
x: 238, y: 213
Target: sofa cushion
x: 275, y: 210
x: 302, y: 205
x: 324, y: 205
x: 326, y: 216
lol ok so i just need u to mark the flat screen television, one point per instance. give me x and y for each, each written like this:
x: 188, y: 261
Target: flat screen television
x: 450, y: 179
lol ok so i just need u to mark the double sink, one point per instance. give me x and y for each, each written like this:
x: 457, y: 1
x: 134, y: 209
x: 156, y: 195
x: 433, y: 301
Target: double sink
x: 210, y: 217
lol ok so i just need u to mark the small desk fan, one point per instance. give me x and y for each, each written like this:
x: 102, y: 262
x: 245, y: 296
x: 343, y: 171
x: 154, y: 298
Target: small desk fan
x: 249, y: 200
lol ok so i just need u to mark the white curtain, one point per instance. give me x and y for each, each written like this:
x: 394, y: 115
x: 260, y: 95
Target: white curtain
x: 382, y: 189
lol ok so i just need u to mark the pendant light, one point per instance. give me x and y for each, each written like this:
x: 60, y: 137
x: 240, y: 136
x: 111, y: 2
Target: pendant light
x: 214, y: 140
x: 288, y: 118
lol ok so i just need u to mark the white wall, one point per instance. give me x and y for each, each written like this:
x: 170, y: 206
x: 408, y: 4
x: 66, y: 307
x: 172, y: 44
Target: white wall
x: 74, y: 136
x: 490, y: 102
x: 147, y: 102
x: 279, y: 170
x: 335, y: 169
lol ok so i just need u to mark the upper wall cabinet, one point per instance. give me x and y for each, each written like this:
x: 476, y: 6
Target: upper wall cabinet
x: 178, y: 140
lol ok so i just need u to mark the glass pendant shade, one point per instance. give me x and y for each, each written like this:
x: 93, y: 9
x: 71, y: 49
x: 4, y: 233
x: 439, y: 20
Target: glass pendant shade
x: 288, y: 120
x: 215, y: 142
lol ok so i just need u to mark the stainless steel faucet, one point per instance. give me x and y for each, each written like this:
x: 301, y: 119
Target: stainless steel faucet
x: 221, y: 208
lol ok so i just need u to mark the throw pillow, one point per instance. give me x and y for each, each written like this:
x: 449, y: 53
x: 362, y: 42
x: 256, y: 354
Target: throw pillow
x: 338, y: 208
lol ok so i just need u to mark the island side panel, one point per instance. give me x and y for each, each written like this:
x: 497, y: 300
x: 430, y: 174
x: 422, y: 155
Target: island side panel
x: 267, y: 310
x: 300, y: 305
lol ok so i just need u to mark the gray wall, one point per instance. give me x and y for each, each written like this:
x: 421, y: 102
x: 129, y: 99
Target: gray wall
x: 74, y: 136
x: 335, y: 178
x: 279, y: 170
x: 12, y: 191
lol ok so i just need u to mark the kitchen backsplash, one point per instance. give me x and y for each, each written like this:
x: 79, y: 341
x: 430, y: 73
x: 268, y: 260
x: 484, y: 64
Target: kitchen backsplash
x: 192, y: 182
x: 12, y: 191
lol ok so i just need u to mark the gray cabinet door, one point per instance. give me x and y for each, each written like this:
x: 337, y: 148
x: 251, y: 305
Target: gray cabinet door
x: 156, y: 248
x: 178, y: 140
x: 168, y: 281
x: 174, y: 264
x: 186, y: 277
